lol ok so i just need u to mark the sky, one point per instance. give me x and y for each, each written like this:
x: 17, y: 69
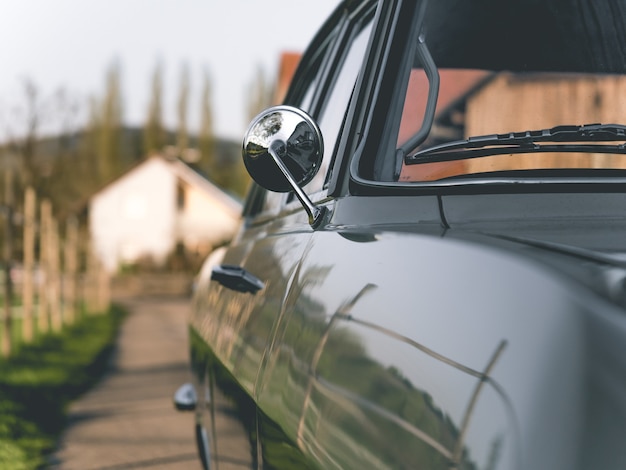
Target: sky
x: 70, y: 44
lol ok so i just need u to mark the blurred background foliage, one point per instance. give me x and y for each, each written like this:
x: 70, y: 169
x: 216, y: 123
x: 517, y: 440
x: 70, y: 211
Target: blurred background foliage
x: 38, y: 382
x: 92, y: 145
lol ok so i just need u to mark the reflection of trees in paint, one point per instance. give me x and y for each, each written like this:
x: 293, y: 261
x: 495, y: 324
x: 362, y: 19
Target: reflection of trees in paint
x: 295, y: 399
x: 383, y: 390
x: 343, y: 400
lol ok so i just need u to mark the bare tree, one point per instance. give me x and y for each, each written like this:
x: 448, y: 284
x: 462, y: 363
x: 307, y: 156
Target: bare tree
x: 60, y: 177
x: 206, y: 138
x: 182, y: 136
x: 67, y: 110
x: 154, y: 132
x: 22, y: 137
x: 260, y: 93
x: 110, y: 124
x: 223, y: 170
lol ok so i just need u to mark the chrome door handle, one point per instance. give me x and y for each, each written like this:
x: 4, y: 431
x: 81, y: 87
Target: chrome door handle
x: 185, y: 398
x: 236, y: 278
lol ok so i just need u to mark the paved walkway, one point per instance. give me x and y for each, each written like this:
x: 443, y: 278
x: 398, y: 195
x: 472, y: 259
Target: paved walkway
x: 128, y: 420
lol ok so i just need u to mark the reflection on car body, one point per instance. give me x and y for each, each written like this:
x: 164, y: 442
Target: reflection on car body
x: 431, y: 269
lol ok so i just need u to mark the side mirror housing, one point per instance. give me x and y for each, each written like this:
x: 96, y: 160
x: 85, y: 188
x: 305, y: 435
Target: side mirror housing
x: 282, y: 151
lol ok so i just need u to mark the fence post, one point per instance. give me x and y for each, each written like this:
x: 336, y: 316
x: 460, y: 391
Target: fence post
x: 104, y: 288
x: 29, y: 264
x: 83, y: 274
x: 90, y: 289
x: 7, y: 254
x: 43, y: 323
x: 70, y: 269
x: 53, y: 278
x: 97, y: 291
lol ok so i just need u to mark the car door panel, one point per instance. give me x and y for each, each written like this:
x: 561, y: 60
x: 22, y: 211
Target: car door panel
x: 471, y: 320
x: 363, y: 371
x: 238, y: 326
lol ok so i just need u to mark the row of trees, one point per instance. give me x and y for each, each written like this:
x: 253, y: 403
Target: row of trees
x: 91, y: 145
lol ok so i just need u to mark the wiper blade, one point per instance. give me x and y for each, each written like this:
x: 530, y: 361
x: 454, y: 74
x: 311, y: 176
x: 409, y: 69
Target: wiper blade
x: 527, y: 141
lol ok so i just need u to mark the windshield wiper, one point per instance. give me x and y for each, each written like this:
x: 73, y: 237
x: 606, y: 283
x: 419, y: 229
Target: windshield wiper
x: 556, y: 139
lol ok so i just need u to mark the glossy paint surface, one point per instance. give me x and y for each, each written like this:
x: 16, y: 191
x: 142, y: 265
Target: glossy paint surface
x: 413, y: 346
x: 476, y: 327
x: 238, y: 326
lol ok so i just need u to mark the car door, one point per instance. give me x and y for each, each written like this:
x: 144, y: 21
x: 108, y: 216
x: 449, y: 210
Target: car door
x: 284, y: 373
x: 360, y: 372
x: 241, y: 291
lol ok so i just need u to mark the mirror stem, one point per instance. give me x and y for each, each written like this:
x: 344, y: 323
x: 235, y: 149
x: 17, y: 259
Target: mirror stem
x: 316, y: 214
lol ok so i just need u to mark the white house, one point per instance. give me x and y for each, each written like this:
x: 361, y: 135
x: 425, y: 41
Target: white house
x: 153, y: 207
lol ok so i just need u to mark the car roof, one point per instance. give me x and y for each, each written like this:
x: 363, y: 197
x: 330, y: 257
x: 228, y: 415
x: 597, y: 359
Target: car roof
x: 528, y: 35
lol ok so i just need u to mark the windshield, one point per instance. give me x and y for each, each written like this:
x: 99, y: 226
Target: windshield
x: 510, y: 67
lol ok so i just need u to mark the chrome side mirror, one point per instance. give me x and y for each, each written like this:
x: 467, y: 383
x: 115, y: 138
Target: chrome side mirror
x: 282, y: 151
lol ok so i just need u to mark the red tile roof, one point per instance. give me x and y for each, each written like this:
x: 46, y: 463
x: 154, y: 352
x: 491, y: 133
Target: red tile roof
x: 288, y: 63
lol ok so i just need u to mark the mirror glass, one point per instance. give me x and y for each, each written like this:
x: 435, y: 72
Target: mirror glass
x: 293, y: 137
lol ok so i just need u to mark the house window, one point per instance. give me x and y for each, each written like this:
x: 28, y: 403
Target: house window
x: 180, y: 196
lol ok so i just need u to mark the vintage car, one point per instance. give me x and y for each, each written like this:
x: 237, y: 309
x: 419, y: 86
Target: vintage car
x: 431, y: 267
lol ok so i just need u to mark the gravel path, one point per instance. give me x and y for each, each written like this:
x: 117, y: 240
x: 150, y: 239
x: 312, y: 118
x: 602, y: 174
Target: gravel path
x: 128, y: 420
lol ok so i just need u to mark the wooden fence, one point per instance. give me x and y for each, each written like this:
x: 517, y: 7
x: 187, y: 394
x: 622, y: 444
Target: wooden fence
x: 58, y: 277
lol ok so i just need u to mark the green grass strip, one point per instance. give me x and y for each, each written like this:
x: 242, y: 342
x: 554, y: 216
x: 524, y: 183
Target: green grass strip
x: 41, y: 379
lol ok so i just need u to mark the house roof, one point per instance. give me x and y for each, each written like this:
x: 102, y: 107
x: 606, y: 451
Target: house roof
x: 186, y: 174
x: 193, y: 178
x: 456, y: 85
x: 288, y: 64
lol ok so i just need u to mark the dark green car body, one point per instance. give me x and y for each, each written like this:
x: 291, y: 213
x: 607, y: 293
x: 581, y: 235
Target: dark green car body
x: 471, y: 321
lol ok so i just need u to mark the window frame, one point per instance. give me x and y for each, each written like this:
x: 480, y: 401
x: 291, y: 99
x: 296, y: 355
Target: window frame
x: 333, y: 42
x: 317, y: 55
x: 355, y: 22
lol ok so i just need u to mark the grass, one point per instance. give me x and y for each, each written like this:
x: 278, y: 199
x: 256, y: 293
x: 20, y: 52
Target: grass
x: 39, y: 381
x: 16, y: 323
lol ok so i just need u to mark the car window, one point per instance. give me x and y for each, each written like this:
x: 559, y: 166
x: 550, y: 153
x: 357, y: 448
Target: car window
x: 511, y: 107
x: 301, y: 93
x: 335, y: 101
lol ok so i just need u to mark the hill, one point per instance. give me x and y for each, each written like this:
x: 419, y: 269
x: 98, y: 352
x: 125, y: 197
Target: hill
x: 69, y: 168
